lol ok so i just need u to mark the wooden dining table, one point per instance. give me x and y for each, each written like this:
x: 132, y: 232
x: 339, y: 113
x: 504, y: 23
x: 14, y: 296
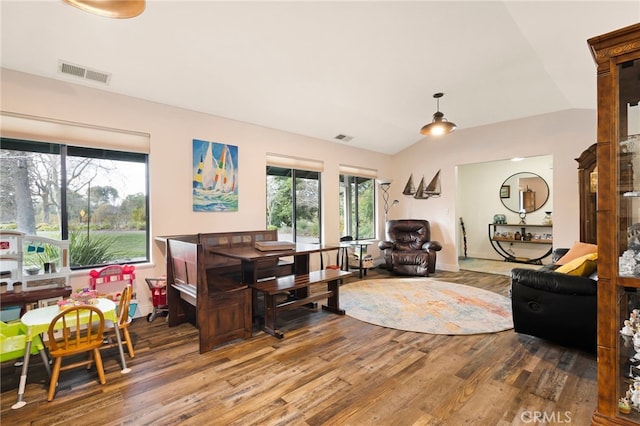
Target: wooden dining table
x: 37, y: 322
x: 251, y: 258
x: 298, y: 284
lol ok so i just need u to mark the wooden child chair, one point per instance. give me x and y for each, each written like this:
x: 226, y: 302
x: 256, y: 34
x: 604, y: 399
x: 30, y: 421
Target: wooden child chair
x: 75, y: 339
x: 123, y: 323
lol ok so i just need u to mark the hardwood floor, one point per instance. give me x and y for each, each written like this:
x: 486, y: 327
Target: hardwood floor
x: 328, y: 370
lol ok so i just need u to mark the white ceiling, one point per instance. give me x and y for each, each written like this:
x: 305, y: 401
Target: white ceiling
x: 366, y: 69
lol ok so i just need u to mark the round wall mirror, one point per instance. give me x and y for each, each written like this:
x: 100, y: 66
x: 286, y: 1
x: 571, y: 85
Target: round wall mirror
x: 524, y: 191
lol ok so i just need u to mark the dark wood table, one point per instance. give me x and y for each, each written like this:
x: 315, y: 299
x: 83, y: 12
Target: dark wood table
x: 251, y: 258
x: 296, y: 285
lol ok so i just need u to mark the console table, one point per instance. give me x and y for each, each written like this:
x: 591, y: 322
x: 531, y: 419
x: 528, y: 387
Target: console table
x: 527, y: 236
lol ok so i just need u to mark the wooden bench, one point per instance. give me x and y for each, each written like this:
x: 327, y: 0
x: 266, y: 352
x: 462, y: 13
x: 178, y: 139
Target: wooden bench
x: 219, y: 307
x: 204, y: 288
x: 188, y: 292
x: 232, y: 267
x: 298, y: 289
x: 228, y: 267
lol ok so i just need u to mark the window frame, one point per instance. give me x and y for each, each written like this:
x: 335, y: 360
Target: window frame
x: 65, y: 151
x: 347, y: 182
x: 294, y: 175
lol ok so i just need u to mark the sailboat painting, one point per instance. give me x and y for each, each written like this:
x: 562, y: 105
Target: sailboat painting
x: 215, y: 177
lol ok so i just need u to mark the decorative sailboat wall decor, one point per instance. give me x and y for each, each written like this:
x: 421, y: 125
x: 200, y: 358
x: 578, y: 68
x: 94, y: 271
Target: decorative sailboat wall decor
x: 409, y: 188
x: 423, y: 192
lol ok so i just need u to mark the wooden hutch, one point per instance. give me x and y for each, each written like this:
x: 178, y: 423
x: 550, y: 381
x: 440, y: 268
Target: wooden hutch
x: 587, y: 183
x: 617, y: 55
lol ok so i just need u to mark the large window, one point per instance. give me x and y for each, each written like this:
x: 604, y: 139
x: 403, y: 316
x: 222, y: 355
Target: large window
x: 293, y: 204
x: 357, y: 201
x: 95, y: 198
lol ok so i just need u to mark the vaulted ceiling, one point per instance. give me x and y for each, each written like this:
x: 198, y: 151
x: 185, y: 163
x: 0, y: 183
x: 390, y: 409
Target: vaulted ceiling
x: 364, y: 69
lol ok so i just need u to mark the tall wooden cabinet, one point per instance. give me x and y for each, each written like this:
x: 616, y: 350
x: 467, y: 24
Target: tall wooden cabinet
x: 617, y: 55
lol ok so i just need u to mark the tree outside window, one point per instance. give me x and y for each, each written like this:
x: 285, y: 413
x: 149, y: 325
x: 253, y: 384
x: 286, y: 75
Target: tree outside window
x: 357, y: 213
x: 95, y: 198
x: 293, y: 204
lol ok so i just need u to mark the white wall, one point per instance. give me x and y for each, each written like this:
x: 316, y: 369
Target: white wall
x: 563, y: 135
x: 172, y: 131
x: 477, y: 203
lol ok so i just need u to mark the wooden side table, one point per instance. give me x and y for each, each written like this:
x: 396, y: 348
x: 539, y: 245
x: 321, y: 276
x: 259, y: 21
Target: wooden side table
x: 24, y: 298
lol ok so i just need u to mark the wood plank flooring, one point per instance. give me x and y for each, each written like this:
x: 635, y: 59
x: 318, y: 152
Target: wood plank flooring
x: 328, y: 370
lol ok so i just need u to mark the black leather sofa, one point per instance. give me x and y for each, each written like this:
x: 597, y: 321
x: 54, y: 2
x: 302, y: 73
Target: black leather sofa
x: 555, y: 306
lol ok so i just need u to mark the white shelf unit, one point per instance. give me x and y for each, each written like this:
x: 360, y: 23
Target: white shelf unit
x: 13, y: 248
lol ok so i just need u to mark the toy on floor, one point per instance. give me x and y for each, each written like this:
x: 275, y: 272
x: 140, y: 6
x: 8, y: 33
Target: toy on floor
x: 158, y: 288
x: 111, y: 280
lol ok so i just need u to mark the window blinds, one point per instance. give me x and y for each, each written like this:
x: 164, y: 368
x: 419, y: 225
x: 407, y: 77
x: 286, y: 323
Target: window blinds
x: 27, y: 127
x: 285, y: 161
x: 358, y: 171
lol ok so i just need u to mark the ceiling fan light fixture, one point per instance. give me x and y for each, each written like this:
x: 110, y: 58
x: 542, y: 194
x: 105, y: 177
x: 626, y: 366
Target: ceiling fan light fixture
x: 439, y: 125
x: 119, y: 9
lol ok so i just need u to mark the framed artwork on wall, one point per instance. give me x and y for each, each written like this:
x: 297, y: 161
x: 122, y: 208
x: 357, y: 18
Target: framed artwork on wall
x: 215, y: 177
x: 505, y: 191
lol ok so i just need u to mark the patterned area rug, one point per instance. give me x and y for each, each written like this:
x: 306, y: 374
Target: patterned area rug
x: 426, y: 306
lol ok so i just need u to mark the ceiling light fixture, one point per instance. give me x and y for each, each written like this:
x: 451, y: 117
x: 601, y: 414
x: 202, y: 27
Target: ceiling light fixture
x: 110, y: 8
x: 439, y: 125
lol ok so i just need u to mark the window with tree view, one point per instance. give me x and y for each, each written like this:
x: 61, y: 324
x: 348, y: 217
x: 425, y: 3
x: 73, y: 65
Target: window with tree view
x: 357, y: 213
x: 293, y: 204
x: 95, y: 198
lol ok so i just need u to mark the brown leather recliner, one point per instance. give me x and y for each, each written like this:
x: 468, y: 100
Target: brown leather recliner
x: 409, y: 249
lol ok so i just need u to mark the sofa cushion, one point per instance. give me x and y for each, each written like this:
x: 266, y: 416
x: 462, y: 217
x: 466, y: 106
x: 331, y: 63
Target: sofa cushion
x: 582, y: 266
x: 579, y: 249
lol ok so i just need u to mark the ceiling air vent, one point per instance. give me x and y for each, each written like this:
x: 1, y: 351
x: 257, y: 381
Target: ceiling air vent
x: 343, y: 138
x: 83, y: 72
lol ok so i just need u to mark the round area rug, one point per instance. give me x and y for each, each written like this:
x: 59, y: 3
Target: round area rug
x: 426, y: 306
